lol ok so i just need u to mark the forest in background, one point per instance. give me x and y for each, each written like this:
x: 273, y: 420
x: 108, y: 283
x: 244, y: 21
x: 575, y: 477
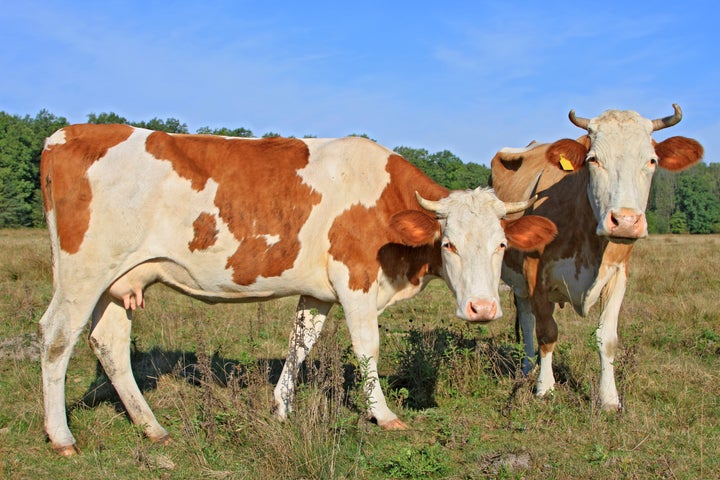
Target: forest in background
x: 686, y: 202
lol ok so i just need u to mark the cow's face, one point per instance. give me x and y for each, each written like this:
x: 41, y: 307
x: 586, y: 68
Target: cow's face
x: 472, y: 247
x: 473, y: 239
x: 621, y: 158
x: 621, y: 161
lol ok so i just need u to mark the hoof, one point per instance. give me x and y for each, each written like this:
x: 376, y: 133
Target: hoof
x: 395, y: 424
x: 67, y: 450
x: 165, y: 440
x: 612, y: 407
x: 527, y: 367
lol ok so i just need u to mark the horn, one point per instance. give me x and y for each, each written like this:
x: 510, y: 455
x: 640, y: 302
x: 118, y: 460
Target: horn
x: 515, y: 207
x: 430, y: 205
x: 581, y: 122
x: 660, y: 123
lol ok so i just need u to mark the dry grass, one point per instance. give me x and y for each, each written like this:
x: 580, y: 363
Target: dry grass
x: 209, y: 371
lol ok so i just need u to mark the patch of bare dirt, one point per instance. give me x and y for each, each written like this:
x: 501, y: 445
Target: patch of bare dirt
x: 20, y: 347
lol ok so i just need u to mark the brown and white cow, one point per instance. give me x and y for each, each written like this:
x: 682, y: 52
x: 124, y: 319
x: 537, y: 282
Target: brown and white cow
x: 596, y: 190
x: 227, y: 220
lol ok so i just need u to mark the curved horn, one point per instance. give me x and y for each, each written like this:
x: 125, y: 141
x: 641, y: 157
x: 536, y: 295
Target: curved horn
x: 660, y: 123
x: 430, y: 205
x: 581, y: 122
x: 515, y: 207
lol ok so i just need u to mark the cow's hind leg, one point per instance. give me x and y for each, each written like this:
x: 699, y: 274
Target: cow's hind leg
x: 60, y: 328
x: 309, y: 319
x: 525, y: 324
x: 110, y: 340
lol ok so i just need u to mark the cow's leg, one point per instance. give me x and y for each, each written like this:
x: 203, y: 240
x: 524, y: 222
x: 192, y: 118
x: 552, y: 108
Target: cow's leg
x: 547, y: 333
x: 309, y: 319
x: 110, y: 340
x: 60, y: 327
x: 365, y: 335
x: 525, y: 320
x: 607, y: 339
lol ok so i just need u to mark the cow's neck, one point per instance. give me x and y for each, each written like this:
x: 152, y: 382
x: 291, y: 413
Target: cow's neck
x: 610, y: 257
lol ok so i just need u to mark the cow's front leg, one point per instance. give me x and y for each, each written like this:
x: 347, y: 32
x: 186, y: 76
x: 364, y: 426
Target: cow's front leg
x: 365, y: 335
x: 547, y: 335
x: 607, y: 338
x: 309, y: 319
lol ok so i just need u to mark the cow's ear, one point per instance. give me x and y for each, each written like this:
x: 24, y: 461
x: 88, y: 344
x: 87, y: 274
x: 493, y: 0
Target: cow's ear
x: 529, y: 233
x: 567, y: 154
x: 415, y: 228
x: 677, y: 153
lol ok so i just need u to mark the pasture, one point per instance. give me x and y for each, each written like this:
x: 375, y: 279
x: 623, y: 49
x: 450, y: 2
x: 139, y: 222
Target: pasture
x: 208, y: 373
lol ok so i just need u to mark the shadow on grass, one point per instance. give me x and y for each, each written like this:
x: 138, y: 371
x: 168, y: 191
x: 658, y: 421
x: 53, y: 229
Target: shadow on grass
x: 198, y: 370
x: 418, y: 357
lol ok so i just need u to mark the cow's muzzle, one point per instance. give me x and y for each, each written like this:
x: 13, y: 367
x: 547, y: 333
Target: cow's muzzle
x: 482, y: 310
x: 623, y: 223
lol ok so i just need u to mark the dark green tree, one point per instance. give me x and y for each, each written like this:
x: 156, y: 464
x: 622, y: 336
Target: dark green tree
x: 696, y: 199
x: 226, y: 132
x: 661, y: 204
x: 446, y: 168
x: 678, y: 222
x: 170, y: 125
x: 21, y: 143
x: 104, y: 118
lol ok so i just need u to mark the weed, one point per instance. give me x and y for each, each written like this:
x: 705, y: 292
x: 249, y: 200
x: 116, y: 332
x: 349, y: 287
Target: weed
x: 428, y: 461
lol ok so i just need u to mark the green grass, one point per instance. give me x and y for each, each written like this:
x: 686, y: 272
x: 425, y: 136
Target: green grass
x: 208, y: 372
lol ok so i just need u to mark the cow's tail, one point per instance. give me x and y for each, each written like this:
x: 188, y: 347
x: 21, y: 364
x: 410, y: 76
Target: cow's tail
x: 46, y: 184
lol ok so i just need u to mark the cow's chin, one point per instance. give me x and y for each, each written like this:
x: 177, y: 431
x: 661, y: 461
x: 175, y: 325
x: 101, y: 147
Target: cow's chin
x: 624, y: 240
x: 619, y: 238
x: 479, y: 321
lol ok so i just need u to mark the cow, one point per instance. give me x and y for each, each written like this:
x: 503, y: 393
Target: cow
x: 236, y: 220
x: 595, y: 189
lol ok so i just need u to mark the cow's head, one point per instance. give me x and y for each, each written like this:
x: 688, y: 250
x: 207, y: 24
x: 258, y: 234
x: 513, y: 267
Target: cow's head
x: 473, y: 236
x: 621, y: 157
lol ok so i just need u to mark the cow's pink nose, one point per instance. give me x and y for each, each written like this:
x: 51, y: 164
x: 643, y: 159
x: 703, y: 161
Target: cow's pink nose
x: 481, y: 310
x: 625, y: 223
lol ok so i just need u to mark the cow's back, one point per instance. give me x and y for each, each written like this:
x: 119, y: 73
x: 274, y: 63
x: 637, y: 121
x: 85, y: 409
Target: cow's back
x: 520, y: 173
x: 228, y: 216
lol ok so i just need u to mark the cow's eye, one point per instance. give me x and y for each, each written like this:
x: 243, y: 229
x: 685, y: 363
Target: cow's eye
x: 448, y: 245
x: 592, y: 160
x: 503, y: 246
x: 652, y: 162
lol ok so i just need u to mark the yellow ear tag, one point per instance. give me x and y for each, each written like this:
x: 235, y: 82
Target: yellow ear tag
x: 566, y: 164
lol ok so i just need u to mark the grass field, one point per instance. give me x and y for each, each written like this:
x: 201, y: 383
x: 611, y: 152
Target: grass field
x: 208, y: 372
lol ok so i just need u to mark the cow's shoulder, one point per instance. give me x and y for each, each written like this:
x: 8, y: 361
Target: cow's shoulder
x: 514, y: 171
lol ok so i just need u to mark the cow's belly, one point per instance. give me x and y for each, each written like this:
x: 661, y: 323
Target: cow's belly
x: 566, y: 282
x: 216, y: 286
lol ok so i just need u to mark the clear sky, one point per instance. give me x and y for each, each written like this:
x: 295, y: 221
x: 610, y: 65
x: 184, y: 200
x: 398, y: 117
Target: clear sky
x: 470, y: 77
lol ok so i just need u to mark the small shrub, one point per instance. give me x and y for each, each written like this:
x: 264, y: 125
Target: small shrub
x: 411, y: 462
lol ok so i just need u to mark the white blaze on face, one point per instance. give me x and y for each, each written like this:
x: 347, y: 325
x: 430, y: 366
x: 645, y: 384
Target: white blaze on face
x: 622, y: 161
x: 473, y: 245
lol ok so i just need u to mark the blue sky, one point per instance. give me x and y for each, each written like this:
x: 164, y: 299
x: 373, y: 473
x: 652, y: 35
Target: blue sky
x: 469, y: 77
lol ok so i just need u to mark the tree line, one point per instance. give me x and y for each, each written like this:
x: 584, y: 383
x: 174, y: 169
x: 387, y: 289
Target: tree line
x: 687, y: 202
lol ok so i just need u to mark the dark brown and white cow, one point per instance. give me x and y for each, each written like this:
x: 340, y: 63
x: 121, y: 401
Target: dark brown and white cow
x: 596, y: 190
x: 229, y: 220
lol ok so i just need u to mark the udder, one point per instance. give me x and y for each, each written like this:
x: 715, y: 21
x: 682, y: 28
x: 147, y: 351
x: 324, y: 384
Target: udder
x: 129, y: 287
